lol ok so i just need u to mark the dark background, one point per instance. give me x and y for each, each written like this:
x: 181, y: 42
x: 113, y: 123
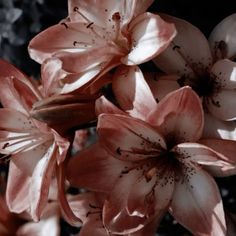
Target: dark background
x: 20, y: 20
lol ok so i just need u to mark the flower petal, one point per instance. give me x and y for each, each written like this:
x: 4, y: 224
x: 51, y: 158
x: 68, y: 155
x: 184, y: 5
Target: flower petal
x: 62, y: 38
x: 40, y: 182
x: 151, y: 197
x: 93, y: 162
x: 129, y: 139
x: 184, y: 56
x: 162, y: 85
x: 132, y: 92
x: 228, y: 152
x: 115, y: 216
x: 222, y: 38
x: 103, y: 105
x: 18, y: 185
x: 198, y: 206
x: 48, y: 223
x: 150, y: 36
x: 15, y: 121
x: 216, y: 128
x: 179, y: 116
x: 223, y: 105
x: 224, y: 72
x: 216, y: 162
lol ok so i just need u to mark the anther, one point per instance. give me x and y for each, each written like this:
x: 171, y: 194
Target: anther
x: 116, y: 16
x: 63, y: 23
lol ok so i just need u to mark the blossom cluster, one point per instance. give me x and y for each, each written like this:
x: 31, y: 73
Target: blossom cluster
x: 135, y: 144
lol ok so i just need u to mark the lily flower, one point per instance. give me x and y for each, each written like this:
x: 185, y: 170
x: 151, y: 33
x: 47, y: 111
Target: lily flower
x: 99, y: 36
x: 206, y: 66
x: 159, y: 164
x: 33, y: 148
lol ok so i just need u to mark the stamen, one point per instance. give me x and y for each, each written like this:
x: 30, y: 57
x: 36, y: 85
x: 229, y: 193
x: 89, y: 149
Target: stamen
x: 116, y: 18
x: 76, y: 9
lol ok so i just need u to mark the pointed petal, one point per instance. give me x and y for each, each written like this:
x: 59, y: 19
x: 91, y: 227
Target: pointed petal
x: 91, y: 163
x: 224, y: 72
x: 197, y: 205
x: 222, y: 38
x: 228, y: 152
x: 103, y: 105
x: 179, y: 115
x: 40, y: 182
x: 18, y: 184
x: 223, y: 105
x: 8, y: 70
x: 216, y: 162
x: 184, y: 56
x: 216, y: 128
x: 129, y: 139
x: 132, y: 92
x: 150, y: 36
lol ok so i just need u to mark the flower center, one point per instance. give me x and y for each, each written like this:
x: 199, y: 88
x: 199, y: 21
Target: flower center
x: 112, y: 35
x: 204, y: 85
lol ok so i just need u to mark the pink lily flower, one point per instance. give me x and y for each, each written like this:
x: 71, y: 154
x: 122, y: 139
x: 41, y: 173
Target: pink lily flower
x: 206, y: 66
x: 98, y: 36
x: 32, y: 147
x: 156, y: 164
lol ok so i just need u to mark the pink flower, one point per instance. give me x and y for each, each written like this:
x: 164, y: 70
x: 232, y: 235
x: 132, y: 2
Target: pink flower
x: 32, y: 147
x: 206, y: 66
x: 153, y: 165
x: 98, y: 36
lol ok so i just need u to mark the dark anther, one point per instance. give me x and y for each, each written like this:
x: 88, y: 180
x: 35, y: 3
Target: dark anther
x: 76, y: 8
x: 118, y: 151
x: 5, y: 145
x: 176, y: 47
x: 74, y: 43
x: 215, y: 103
x: 124, y: 172
x: 116, y: 16
x: 90, y: 24
x: 63, y: 23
